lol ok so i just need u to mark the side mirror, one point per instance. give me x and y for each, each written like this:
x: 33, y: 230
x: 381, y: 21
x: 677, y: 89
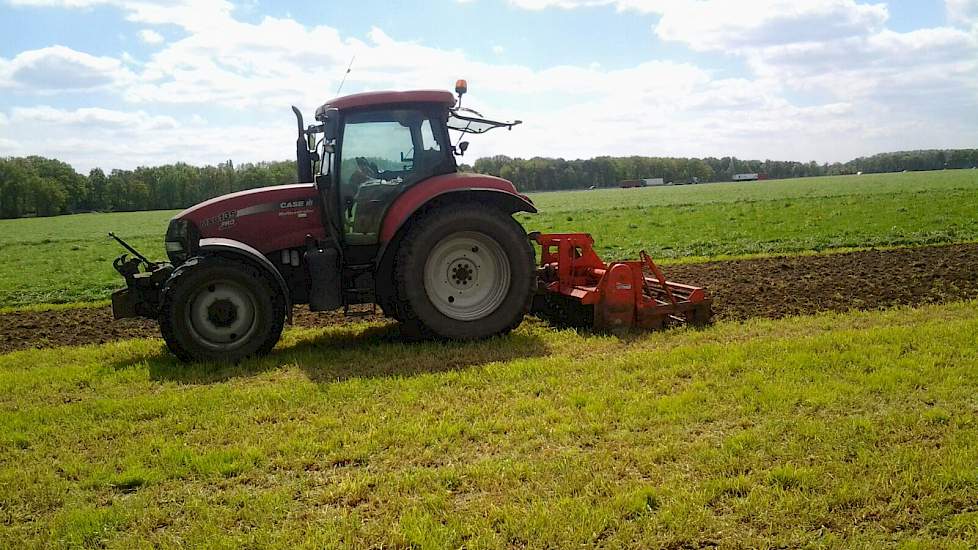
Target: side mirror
x: 331, y: 128
x: 462, y: 148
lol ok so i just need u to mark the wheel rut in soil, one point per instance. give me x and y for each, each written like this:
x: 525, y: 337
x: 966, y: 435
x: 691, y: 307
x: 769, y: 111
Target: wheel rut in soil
x: 741, y: 289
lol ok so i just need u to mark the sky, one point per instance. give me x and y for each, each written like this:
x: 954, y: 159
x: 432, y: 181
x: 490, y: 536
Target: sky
x: 126, y: 83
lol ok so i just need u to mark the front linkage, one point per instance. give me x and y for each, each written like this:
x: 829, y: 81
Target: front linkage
x: 141, y: 297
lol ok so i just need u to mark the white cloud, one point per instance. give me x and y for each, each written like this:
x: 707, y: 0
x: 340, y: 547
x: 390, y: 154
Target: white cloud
x: 92, y: 118
x: 192, y: 14
x: 118, y: 139
x: 9, y: 147
x: 724, y: 25
x: 58, y: 68
x: 59, y: 3
x: 962, y: 11
x: 866, y: 88
x: 150, y: 36
x: 728, y: 25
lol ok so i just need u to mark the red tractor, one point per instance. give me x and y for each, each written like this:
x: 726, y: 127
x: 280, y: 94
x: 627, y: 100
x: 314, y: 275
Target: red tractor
x: 383, y: 217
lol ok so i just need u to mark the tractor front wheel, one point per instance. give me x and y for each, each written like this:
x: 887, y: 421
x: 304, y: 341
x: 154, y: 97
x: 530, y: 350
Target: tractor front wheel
x: 465, y: 272
x: 222, y: 310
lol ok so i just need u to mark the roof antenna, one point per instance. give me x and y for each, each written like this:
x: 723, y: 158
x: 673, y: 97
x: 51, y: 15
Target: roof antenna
x: 342, y: 82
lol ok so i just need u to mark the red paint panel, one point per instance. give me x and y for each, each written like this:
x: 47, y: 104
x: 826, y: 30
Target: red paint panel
x: 268, y: 218
x: 418, y: 195
x: 367, y: 99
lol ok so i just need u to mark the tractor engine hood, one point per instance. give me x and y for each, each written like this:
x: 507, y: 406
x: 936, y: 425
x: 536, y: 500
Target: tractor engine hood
x: 266, y: 218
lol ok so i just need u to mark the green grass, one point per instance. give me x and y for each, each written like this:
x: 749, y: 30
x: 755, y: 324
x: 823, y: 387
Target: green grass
x: 787, y: 216
x: 68, y: 259
x: 836, y: 430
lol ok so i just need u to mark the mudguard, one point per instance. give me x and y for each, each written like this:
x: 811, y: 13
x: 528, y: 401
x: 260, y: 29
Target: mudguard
x: 393, y: 224
x: 479, y: 186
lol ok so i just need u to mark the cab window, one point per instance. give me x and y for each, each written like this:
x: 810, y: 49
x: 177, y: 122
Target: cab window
x: 381, y: 153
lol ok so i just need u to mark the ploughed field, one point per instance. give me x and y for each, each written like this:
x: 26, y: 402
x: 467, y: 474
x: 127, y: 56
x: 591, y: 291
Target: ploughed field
x: 759, y: 287
x: 831, y: 404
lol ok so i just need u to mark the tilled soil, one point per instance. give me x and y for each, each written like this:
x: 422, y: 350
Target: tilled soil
x: 741, y: 289
x: 77, y: 327
x: 802, y: 285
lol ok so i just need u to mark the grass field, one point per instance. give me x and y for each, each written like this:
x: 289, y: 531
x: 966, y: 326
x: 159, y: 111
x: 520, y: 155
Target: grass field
x: 786, y: 216
x: 66, y: 259
x: 853, y: 430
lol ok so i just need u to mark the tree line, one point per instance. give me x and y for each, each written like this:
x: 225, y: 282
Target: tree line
x: 38, y: 186
x: 549, y: 174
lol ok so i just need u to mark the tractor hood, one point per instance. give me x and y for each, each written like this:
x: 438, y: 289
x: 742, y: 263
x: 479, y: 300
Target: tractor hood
x: 266, y: 218
x: 244, y: 203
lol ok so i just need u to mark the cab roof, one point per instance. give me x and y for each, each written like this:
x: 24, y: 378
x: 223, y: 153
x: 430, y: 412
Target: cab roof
x: 368, y: 99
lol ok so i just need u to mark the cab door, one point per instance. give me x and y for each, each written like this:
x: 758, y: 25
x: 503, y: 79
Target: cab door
x: 382, y: 152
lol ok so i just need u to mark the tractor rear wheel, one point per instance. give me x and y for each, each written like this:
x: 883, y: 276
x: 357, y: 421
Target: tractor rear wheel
x: 221, y: 310
x: 465, y: 272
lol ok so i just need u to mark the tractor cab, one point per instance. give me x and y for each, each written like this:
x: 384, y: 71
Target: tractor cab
x: 370, y: 148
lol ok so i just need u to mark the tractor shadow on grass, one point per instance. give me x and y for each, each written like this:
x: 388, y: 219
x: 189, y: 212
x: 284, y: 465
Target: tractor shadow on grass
x: 344, y: 353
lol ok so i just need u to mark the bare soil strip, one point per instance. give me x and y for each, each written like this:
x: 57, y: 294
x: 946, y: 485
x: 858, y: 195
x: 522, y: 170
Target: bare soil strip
x: 742, y: 289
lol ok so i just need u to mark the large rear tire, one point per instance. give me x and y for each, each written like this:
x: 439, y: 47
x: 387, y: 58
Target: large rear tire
x: 221, y: 310
x: 465, y: 272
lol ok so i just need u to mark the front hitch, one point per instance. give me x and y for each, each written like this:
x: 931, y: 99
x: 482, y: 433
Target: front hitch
x: 141, y: 297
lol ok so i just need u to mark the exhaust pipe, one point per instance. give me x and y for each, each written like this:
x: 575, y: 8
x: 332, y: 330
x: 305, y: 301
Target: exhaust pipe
x: 303, y: 159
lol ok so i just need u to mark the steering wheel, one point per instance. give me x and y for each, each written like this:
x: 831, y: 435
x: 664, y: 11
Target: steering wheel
x: 369, y: 169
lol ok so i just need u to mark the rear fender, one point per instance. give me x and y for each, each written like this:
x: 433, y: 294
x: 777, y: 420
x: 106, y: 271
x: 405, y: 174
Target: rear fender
x: 510, y: 202
x: 238, y: 250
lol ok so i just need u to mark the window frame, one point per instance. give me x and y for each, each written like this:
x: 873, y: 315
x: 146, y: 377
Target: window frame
x: 436, y: 114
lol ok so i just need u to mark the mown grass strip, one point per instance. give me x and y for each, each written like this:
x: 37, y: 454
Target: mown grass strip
x: 833, y: 430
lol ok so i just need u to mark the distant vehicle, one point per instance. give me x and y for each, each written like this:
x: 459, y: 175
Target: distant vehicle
x: 652, y: 182
x: 746, y: 177
x: 629, y: 184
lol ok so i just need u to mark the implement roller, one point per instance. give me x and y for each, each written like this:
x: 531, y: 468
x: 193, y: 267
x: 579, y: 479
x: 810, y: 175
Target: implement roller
x: 620, y: 295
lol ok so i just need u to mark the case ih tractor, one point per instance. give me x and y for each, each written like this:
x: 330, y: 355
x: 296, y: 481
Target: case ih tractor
x: 382, y: 216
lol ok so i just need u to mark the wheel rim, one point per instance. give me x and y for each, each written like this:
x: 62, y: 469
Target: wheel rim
x: 467, y: 276
x: 221, y: 315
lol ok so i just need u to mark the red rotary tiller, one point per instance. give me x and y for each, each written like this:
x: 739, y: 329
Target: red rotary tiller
x: 621, y: 295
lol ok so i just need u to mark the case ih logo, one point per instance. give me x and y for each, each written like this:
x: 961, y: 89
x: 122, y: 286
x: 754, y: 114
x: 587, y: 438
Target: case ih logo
x: 296, y: 204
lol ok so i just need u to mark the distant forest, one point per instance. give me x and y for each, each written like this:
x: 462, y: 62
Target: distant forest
x: 38, y: 186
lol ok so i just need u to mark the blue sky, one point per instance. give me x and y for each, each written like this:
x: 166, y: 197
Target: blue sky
x: 121, y: 83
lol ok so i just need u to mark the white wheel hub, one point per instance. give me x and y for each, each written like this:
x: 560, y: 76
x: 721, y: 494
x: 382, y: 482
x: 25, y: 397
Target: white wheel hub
x: 467, y: 276
x: 222, y: 315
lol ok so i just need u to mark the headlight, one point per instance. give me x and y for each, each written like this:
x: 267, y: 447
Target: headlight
x: 181, y: 240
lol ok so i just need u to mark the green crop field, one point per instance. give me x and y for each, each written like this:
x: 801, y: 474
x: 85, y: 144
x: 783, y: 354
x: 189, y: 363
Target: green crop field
x: 786, y: 216
x: 843, y: 431
x: 65, y: 259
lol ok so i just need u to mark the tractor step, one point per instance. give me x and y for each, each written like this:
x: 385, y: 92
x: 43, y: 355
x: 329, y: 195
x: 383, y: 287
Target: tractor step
x: 360, y: 310
x: 619, y: 295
